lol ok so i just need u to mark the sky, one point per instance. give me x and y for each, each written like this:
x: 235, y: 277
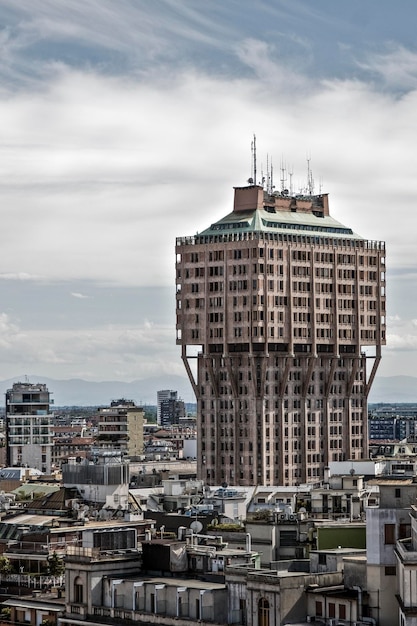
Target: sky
x: 126, y: 124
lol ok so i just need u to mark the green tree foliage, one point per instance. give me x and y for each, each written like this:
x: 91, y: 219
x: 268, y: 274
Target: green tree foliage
x: 56, y: 565
x: 5, y: 565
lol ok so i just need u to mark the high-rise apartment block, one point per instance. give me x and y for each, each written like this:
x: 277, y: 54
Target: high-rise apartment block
x: 29, y: 433
x: 170, y: 408
x: 120, y: 427
x: 277, y: 306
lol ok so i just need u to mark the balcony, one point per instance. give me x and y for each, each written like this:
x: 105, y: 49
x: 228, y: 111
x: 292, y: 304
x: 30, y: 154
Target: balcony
x: 406, y: 552
x: 78, y: 609
x: 32, y: 581
x: 108, y: 614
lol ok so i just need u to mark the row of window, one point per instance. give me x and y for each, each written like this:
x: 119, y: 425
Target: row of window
x: 278, y: 253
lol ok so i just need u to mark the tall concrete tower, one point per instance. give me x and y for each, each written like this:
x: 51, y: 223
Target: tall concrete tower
x: 277, y: 306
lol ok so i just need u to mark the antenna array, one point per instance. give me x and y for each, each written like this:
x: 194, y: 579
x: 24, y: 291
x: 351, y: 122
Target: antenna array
x: 286, y: 174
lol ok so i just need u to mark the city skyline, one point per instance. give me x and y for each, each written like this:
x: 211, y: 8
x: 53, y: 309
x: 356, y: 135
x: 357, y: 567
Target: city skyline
x: 126, y: 127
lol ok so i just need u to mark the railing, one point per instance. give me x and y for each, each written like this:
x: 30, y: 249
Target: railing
x: 78, y: 609
x: 405, y: 550
x: 157, y: 617
x: 319, y: 238
x: 28, y: 547
x: 78, y: 551
x: 32, y: 581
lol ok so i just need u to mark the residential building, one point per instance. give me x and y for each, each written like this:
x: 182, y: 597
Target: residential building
x: 406, y: 557
x: 386, y: 525
x: 162, y: 581
x: 35, y: 610
x: 340, y: 497
x: 170, y: 408
x: 393, y: 421
x: 120, y: 427
x: 29, y: 434
x: 72, y: 441
x: 281, y: 319
x: 172, y: 412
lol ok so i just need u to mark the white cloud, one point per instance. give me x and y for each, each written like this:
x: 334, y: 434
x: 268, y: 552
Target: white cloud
x: 110, y: 149
x: 20, y: 276
x: 397, y: 66
x: 109, y: 352
x: 99, y: 175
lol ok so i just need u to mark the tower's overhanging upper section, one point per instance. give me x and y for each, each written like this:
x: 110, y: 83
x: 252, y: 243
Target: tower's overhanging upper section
x: 256, y: 210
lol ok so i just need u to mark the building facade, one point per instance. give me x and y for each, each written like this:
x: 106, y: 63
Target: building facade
x: 276, y: 304
x: 29, y: 433
x: 387, y: 526
x: 406, y: 556
x: 120, y: 427
x: 170, y: 408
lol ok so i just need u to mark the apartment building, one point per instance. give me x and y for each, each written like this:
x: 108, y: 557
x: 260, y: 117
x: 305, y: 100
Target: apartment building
x: 29, y: 434
x: 120, y: 427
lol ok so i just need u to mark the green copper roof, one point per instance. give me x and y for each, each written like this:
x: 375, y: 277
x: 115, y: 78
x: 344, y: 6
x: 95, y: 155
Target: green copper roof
x: 261, y: 220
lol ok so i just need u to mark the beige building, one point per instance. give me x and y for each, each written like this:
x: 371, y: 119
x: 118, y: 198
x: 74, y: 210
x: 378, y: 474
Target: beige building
x: 276, y: 304
x: 120, y: 427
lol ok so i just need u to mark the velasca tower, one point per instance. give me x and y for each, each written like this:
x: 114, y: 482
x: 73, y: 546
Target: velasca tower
x: 281, y: 319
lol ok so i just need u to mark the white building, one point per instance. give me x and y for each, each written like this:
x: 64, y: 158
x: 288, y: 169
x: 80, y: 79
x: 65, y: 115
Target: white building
x: 29, y: 431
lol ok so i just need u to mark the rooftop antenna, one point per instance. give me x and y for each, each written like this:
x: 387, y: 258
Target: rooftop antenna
x: 283, y: 175
x: 272, y: 178
x: 253, y: 146
x: 263, y: 178
x: 290, y: 175
x: 267, y: 174
x: 310, y: 180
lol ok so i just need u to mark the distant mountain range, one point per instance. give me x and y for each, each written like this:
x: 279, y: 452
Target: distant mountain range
x: 78, y: 392
x: 394, y: 389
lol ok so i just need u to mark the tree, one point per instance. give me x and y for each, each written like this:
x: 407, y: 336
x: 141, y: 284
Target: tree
x: 5, y: 614
x: 56, y: 565
x: 5, y: 565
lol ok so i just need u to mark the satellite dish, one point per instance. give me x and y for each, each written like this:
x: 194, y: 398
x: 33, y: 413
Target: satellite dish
x: 196, y: 526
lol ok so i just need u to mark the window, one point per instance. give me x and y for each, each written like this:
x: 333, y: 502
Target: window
x: 139, y: 604
x: 242, y: 610
x: 78, y: 591
x: 390, y: 570
x: 389, y: 534
x: 319, y: 608
x: 404, y: 531
x: 342, y: 611
x: 263, y: 612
